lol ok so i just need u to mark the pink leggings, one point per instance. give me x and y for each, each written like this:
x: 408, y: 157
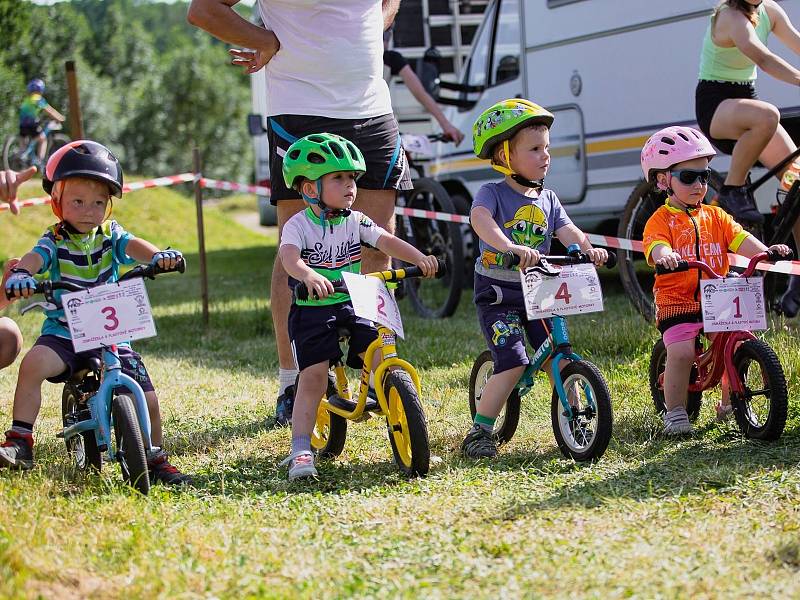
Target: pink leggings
x: 681, y: 332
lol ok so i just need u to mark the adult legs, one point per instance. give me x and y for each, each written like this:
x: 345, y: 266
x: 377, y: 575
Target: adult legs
x: 378, y: 205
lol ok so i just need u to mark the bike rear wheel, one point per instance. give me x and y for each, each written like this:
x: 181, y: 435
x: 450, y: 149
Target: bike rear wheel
x: 130, y: 452
x: 405, y: 420
x: 433, y: 298
x: 55, y: 142
x: 658, y: 362
x: 15, y: 153
x: 583, y: 433
x: 82, y: 447
x: 761, y: 411
x: 330, y: 430
x: 506, y: 424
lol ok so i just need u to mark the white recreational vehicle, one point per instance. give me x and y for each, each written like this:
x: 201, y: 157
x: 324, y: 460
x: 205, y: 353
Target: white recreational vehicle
x: 612, y: 72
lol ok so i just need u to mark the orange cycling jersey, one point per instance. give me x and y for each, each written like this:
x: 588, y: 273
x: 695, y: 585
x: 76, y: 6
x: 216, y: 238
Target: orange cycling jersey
x: 706, y: 233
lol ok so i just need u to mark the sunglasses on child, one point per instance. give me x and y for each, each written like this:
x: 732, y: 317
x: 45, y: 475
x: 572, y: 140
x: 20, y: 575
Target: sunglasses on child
x: 689, y: 176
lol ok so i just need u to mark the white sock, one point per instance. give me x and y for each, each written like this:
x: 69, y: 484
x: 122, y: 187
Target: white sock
x: 286, y: 377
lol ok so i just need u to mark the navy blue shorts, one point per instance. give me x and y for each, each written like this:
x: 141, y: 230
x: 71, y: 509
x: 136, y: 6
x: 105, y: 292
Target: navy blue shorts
x: 132, y: 364
x: 378, y: 138
x: 315, y: 336
x: 504, y: 323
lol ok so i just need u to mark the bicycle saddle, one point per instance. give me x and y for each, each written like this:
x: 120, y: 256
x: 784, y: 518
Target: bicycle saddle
x: 89, y: 365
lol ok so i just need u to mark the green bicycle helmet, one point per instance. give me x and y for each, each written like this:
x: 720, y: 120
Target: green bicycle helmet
x: 318, y: 154
x: 501, y: 121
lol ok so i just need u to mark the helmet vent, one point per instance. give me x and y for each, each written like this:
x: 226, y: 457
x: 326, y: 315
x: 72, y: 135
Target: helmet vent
x: 315, y: 158
x: 81, y: 149
x: 337, y: 150
x: 316, y: 138
x: 294, y: 154
x: 668, y: 140
x: 352, y: 150
x: 664, y: 152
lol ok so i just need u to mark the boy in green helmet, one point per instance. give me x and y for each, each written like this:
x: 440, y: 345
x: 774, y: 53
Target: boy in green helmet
x: 317, y: 245
x: 518, y: 215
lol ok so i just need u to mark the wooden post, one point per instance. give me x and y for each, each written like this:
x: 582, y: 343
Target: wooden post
x: 75, y: 118
x: 201, y: 239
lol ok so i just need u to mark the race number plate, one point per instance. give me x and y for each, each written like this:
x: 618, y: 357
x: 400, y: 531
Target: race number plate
x: 576, y: 290
x: 372, y: 300
x: 109, y: 314
x: 733, y: 304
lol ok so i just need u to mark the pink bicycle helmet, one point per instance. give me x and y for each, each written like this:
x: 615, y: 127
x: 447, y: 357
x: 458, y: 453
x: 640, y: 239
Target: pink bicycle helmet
x: 671, y: 146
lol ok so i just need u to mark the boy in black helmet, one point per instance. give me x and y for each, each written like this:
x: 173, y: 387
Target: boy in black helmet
x: 85, y: 248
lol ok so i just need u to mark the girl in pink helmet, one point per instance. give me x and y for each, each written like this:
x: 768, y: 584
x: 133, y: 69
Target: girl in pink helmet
x: 676, y: 159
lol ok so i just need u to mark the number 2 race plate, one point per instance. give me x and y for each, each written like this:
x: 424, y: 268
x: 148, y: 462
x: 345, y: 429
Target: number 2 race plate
x: 109, y: 314
x: 372, y: 300
x: 733, y: 304
x: 576, y: 290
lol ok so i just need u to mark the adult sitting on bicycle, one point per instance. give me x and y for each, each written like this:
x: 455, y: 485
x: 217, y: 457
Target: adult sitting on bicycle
x: 30, y: 112
x: 731, y: 115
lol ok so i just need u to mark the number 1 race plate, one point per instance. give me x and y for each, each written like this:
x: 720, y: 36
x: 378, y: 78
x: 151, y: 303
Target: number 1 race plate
x: 576, y: 290
x: 109, y: 314
x: 733, y: 304
x: 372, y: 300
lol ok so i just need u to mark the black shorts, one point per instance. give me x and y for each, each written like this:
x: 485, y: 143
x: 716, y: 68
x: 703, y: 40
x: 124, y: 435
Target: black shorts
x: 132, y: 364
x: 378, y: 139
x: 314, y: 331
x: 707, y: 98
x: 30, y: 130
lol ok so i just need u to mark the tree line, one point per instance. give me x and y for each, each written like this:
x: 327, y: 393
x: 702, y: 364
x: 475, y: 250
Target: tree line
x: 151, y: 86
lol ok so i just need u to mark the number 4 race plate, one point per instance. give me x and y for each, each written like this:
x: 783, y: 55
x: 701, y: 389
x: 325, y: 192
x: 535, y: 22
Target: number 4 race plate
x: 576, y: 290
x: 109, y: 314
x: 372, y: 300
x: 733, y: 304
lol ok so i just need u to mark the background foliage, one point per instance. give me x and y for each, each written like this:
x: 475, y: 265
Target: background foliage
x: 151, y: 85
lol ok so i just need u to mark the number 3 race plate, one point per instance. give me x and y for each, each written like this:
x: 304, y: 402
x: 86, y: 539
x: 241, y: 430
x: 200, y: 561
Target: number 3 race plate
x: 733, y: 304
x: 576, y: 290
x: 372, y: 300
x: 109, y: 314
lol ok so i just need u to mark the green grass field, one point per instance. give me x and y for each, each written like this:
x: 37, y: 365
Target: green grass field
x: 710, y: 516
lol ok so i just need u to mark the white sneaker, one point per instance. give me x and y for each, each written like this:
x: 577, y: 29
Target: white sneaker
x: 676, y: 422
x: 301, y: 465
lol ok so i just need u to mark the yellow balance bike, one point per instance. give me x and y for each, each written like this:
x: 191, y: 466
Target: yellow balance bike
x: 396, y: 396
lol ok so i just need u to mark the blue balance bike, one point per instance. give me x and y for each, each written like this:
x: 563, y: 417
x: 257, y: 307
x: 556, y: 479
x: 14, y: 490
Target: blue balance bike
x: 580, y: 408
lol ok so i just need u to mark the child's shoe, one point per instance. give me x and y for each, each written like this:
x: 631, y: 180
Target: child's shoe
x: 676, y: 422
x: 301, y: 465
x: 162, y: 471
x: 724, y: 412
x: 479, y: 443
x: 17, y: 451
x: 283, y: 409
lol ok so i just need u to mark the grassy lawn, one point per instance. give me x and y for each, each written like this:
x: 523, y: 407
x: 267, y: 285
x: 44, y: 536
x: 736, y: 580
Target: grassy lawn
x: 709, y: 516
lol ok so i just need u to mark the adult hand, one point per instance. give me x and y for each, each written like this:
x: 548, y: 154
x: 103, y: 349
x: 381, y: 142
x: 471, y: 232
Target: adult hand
x: 9, y: 184
x: 453, y: 133
x: 251, y: 60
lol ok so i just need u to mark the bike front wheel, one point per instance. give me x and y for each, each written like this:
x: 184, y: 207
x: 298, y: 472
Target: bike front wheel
x: 408, y: 431
x: 761, y: 410
x: 583, y: 433
x: 14, y: 154
x: 82, y: 447
x: 433, y: 298
x: 506, y: 424
x: 55, y: 142
x: 130, y: 450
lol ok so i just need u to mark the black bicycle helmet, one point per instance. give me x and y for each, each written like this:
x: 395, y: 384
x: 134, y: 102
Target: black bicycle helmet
x: 84, y: 158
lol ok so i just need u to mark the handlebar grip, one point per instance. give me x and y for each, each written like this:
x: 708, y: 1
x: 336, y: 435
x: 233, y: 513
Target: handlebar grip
x: 682, y: 266
x: 611, y: 261
x: 441, y: 270
x: 773, y: 256
x: 180, y: 267
x: 509, y: 260
x: 39, y: 289
x: 301, y: 290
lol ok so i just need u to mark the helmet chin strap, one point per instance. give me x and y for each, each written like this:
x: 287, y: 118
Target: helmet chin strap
x: 537, y: 185
x: 325, y: 211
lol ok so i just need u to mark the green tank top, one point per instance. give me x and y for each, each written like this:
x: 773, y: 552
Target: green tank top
x: 730, y: 64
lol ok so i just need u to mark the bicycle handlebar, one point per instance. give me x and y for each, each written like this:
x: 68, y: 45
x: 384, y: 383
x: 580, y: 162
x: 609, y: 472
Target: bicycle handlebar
x: 574, y: 258
x: 150, y: 271
x: 685, y: 265
x: 301, y: 291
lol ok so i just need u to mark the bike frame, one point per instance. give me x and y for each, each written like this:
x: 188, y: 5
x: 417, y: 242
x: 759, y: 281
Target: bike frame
x: 555, y: 348
x: 100, y: 405
x: 31, y: 147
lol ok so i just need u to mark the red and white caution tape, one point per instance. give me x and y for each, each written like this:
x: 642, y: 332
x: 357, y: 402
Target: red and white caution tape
x: 131, y: 187
x: 431, y: 214
x: 230, y: 186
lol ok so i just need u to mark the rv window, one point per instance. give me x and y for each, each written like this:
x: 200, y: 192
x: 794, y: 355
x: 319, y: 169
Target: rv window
x: 476, y: 72
x: 505, y: 58
x: 557, y: 3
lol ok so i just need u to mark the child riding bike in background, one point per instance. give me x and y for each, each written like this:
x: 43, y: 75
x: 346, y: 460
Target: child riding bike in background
x: 677, y: 159
x: 30, y: 112
x: 317, y: 245
x: 519, y: 215
x: 87, y: 249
